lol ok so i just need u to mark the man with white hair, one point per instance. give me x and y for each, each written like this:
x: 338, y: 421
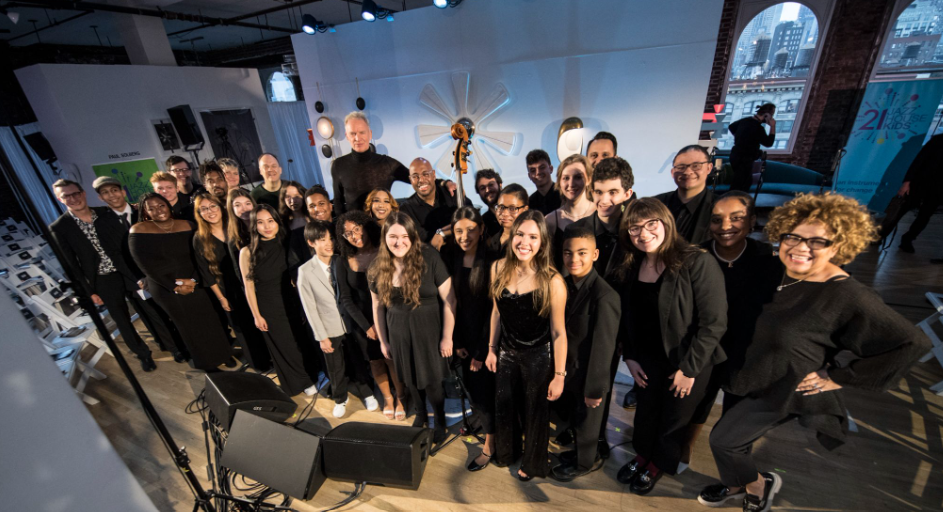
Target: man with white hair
x: 361, y: 171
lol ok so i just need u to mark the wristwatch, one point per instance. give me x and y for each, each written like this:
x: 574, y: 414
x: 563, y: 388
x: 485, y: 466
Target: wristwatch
x: 440, y: 232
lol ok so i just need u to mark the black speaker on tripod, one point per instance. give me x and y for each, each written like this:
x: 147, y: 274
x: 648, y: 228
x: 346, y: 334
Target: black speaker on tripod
x: 185, y: 123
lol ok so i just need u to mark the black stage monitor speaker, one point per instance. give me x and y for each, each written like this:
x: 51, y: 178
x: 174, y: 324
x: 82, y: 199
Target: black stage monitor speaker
x: 377, y: 454
x: 281, y: 457
x: 228, y: 392
x: 182, y: 118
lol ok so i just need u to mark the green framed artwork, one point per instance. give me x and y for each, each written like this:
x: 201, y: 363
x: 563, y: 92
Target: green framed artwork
x: 134, y: 175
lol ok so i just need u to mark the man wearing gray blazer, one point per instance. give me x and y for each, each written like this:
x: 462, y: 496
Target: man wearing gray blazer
x: 318, y: 296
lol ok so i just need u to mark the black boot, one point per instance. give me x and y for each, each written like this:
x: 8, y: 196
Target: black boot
x: 147, y: 363
x: 907, y: 244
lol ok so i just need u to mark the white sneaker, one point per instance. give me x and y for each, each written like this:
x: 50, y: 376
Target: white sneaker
x: 371, y: 403
x: 340, y: 409
x: 311, y: 390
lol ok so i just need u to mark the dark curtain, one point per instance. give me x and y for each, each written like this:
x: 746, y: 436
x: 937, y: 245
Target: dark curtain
x: 232, y: 134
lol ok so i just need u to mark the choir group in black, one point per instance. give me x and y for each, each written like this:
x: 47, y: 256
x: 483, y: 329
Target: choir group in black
x: 536, y: 301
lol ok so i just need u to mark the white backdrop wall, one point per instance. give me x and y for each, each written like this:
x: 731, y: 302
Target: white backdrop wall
x: 637, y: 69
x: 89, y: 112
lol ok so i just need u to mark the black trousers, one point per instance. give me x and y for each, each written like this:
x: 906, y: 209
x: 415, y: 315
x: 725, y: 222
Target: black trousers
x: 522, y: 380
x: 733, y: 436
x: 661, y: 419
x: 481, y: 391
x: 926, y: 205
x: 343, y: 380
x: 158, y: 323
x: 436, y: 396
x: 742, y: 173
x: 113, y: 291
x: 585, y: 421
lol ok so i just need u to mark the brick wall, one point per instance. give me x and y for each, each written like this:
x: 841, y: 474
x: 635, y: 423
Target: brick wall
x: 725, y: 41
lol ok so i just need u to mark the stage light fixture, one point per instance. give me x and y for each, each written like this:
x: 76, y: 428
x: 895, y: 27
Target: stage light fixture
x: 369, y: 10
x: 441, y: 4
x: 309, y: 24
x: 389, y: 17
x: 14, y: 16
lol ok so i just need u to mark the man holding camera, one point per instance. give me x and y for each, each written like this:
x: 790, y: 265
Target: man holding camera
x: 748, y: 133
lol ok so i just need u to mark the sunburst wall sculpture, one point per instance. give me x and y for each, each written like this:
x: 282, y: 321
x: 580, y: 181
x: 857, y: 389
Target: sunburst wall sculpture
x: 492, y: 104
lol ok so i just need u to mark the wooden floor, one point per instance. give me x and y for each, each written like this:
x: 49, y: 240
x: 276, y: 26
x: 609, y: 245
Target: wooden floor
x: 893, y: 462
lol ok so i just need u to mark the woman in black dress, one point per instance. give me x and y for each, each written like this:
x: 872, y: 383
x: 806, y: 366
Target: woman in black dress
x: 750, y: 277
x: 294, y: 214
x: 526, y: 319
x: 414, y: 306
x: 161, y: 248
x: 274, y: 303
x: 218, y: 272
x: 467, y: 259
x: 674, y: 312
x: 359, y: 238
x: 790, y: 370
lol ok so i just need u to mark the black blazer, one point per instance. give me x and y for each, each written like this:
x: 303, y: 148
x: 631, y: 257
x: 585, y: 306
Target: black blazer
x: 82, y: 258
x: 692, y: 307
x: 702, y: 221
x: 592, y: 324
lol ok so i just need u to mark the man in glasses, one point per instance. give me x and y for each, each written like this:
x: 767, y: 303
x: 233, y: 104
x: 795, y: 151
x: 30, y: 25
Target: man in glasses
x: 431, y: 206
x: 691, y: 202
x: 180, y: 168
x: 272, y: 182
x: 547, y: 198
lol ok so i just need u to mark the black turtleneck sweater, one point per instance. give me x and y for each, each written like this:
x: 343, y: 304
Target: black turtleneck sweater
x: 356, y: 174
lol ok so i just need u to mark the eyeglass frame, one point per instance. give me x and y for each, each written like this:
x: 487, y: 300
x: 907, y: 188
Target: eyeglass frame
x: 500, y: 208
x: 425, y: 174
x: 817, y: 240
x: 684, y: 167
x: 638, y: 227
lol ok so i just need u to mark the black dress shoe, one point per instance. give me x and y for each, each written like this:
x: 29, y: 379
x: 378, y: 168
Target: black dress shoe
x: 644, y: 482
x: 566, y: 438
x: 567, y: 456
x: 628, y: 472
x: 148, y: 364
x: 180, y: 357
x: 907, y: 245
x: 567, y: 472
x: 602, y: 449
x: 763, y: 503
x: 478, y: 467
x: 231, y: 363
x: 525, y: 478
x: 630, y: 400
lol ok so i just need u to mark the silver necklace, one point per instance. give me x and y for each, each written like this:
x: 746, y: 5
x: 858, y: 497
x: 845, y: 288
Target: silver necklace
x: 781, y: 285
x: 728, y: 262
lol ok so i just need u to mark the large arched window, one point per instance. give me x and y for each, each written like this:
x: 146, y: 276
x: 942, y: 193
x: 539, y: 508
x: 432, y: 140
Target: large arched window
x: 772, y: 63
x: 914, y: 41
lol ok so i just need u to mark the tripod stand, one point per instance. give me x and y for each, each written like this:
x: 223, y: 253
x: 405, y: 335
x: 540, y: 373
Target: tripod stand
x: 230, y: 152
x: 202, y: 500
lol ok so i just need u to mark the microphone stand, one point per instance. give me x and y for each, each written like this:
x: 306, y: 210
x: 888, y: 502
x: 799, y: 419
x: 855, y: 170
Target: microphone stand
x: 178, y: 454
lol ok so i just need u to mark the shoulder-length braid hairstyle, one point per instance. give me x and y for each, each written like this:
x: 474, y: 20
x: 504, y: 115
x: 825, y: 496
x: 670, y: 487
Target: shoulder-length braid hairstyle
x: 541, y: 263
x: 381, y: 271
x: 286, y: 213
x: 143, y: 205
x: 204, y: 230
x: 478, y: 280
x: 236, y: 231
x: 674, y: 251
x: 255, y: 239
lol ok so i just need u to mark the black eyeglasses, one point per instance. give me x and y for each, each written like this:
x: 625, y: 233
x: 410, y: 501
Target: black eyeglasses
x: 510, y: 209
x: 696, y: 166
x: 814, y: 243
x: 649, y: 226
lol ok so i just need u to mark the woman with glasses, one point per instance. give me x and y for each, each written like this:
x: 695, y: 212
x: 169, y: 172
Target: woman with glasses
x: 674, y: 312
x: 380, y: 204
x: 162, y: 249
x: 274, y: 303
x: 790, y: 370
x: 414, y: 308
x: 512, y: 201
x: 359, y: 239
x: 527, y: 346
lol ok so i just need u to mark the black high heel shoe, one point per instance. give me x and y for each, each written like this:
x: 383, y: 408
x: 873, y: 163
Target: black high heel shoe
x: 524, y: 478
x: 478, y: 467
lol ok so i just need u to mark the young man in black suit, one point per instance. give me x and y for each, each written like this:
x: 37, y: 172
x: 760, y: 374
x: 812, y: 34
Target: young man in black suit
x: 91, y: 241
x: 592, y: 321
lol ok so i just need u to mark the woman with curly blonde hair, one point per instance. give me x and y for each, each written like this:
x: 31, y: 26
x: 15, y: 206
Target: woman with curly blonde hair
x: 790, y: 371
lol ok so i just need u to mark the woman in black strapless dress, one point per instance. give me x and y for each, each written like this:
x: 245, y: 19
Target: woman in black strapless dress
x: 274, y: 302
x: 162, y: 249
x: 529, y: 304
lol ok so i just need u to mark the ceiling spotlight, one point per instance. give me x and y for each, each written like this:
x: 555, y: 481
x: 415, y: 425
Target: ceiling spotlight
x: 389, y: 17
x: 309, y: 24
x: 369, y: 10
x: 441, y: 4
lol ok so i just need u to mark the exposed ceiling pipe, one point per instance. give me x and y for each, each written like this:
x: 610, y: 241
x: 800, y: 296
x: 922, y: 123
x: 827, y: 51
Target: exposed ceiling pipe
x: 157, y: 13
x: 51, y: 25
x: 249, y: 15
